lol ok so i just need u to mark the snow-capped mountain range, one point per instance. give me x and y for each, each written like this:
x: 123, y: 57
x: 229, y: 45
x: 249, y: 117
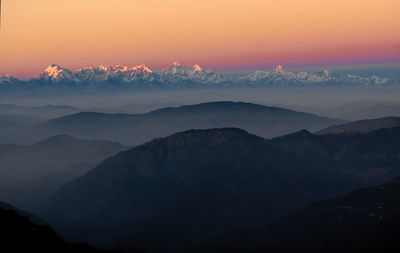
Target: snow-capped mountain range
x: 129, y: 74
x: 278, y: 76
x: 7, y: 79
x: 178, y: 75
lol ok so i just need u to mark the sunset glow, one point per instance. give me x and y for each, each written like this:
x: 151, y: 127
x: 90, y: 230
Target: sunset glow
x: 223, y: 34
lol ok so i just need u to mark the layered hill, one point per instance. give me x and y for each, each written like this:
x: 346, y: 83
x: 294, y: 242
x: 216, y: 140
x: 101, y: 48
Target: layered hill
x: 41, y: 112
x: 29, y: 174
x: 373, y: 112
x: 187, y: 188
x: 15, y: 123
x: 136, y: 129
x: 362, y: 126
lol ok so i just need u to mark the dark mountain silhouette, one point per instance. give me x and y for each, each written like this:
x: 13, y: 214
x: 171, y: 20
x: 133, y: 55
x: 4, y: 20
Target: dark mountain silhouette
x: 29, y: 174
x: 31, y: 217
x: 366, y: 220
x: 19, y: 234
x: 192, y: 186
x: 136, y: 129
x: 362, y: 126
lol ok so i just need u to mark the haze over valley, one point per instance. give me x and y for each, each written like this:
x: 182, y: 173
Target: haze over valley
x: 200, y: 126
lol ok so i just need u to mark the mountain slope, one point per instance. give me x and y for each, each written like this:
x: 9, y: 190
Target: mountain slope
x: 366, y: 220
x: 136, y: 129
x: 372, y: 158
x: 19, y: 234
x: 31, y: 217
x: 362, y: 126
x: 192, y: 186
x: 28, y: 174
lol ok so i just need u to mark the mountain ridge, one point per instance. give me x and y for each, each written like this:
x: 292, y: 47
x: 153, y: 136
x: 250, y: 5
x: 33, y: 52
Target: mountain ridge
x: 179, y: 76
x: 362, y: 126
x: 207, y: 182
x: 134, y: 129
x: 364, y: 220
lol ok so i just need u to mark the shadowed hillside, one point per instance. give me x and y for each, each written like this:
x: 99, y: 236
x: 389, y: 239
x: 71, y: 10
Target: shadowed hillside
x: 19, y: 234
x: 29, y: 174
x: 366, y: 220
x: 195, y: 185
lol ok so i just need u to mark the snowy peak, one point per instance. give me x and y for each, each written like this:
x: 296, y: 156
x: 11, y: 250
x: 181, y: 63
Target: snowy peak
x: 118, y: 68
x: 123, y: 73
x: 103, y: 68
x: 176, y: 64
x: 7, y: 79
x: 278, y: 76
x: 138, y: 68
x: 197, y: 67
x: 178, y: 73
x: 177, y: 68
x: 279, y: 69
x: 143, y: 68
x: 55, y: 72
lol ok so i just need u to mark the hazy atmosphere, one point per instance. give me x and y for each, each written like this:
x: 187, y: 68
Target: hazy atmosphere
x: 189, y: 127
x: 217, y: 34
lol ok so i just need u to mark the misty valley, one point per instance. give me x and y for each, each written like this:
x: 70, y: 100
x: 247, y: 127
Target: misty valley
x: 229, y: 172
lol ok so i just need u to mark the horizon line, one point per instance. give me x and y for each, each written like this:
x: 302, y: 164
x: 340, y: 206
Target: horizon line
x: 246, y: 67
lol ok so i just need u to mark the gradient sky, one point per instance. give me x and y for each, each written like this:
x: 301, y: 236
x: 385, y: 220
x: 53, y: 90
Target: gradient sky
x: 218, y: 34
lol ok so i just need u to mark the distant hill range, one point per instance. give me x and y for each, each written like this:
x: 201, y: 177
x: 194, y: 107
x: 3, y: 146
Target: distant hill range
x: 362, y: 126
x: 372, y: 112
x: 357, y: 110
x: 41, y: 112
x: 29, y: 174
x: 14, y: 123
x: 190, y: 187
x: 364, y: 221
x: 135, y: 129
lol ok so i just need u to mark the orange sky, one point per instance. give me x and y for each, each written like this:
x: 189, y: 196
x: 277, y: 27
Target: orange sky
x: 215, y: 33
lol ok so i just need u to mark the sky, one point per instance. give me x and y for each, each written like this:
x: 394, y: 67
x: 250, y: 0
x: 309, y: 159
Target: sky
x: 217, y: 34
